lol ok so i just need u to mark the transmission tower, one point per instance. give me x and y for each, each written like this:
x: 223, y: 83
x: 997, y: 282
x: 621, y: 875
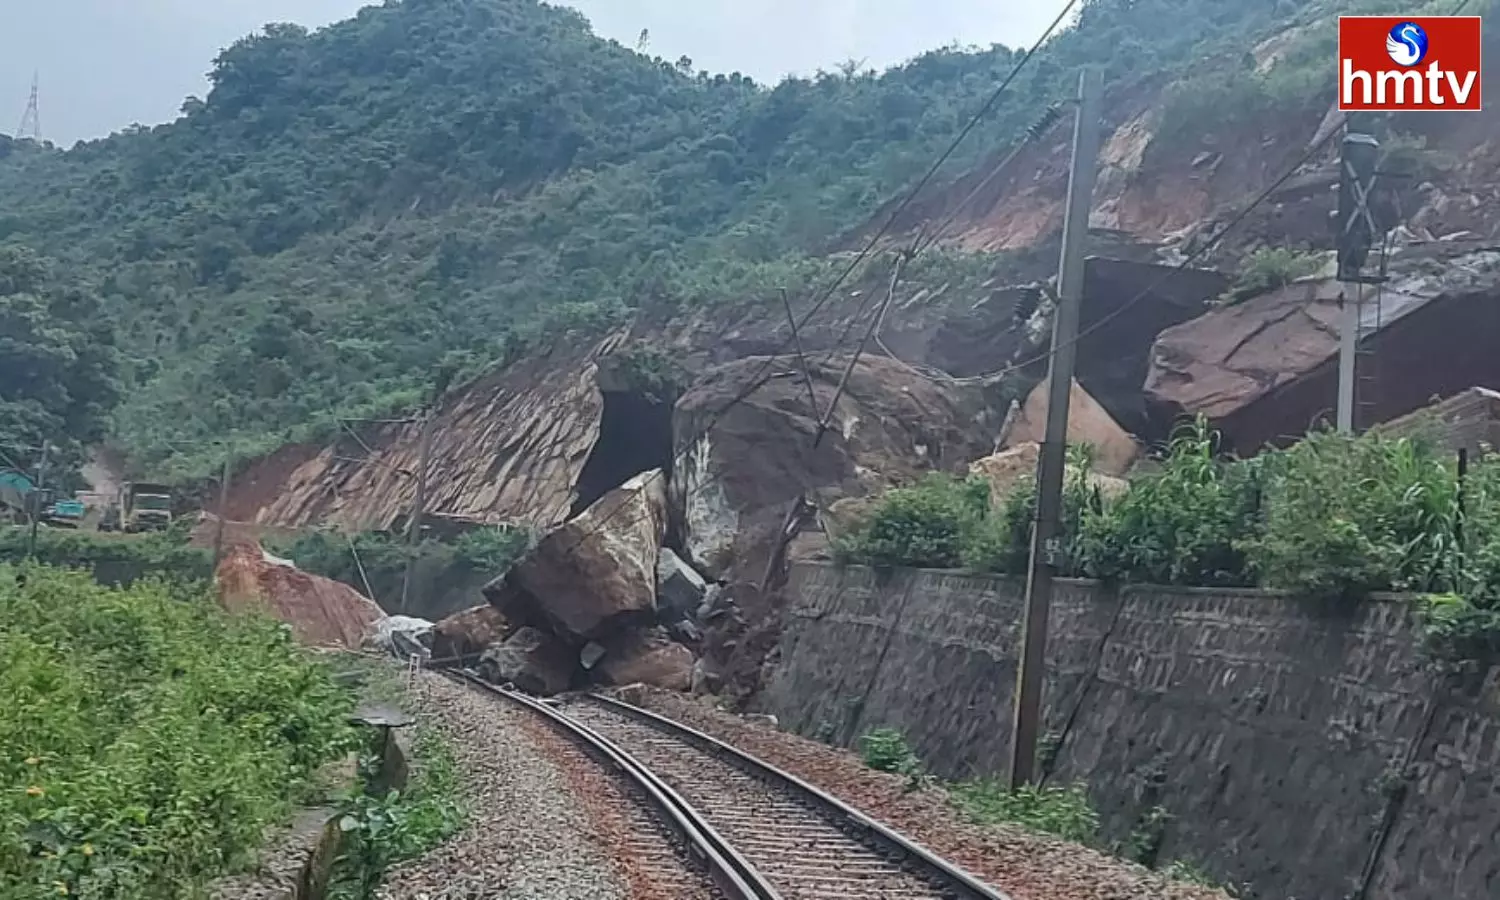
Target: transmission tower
x: 31, y: 119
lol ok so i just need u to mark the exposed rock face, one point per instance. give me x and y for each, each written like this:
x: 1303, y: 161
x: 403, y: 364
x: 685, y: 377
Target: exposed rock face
x: 532, y: 660
x: 734, y: 483
x: 1088, y: 423
x: 646, y: 657
x: 595, y: 574
x: 679, y: 587
x: 509, y: 448
x: 321, y: 612
x: 465, y: 636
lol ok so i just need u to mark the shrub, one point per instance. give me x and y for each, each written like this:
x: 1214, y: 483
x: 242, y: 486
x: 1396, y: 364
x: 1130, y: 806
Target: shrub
x: 886, y: 750
x: 1268, y: 269
x: 1181, y: 524
x: 148, y: 740
x: 923, y: 525
x: 1348, y: 515
x: 1062, y: 811
x: 114, y: 558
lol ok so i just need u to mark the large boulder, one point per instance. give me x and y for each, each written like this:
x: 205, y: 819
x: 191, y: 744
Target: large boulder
x: 745, y: 452
x: 1011, y: 470
x: 595, y: 574
x: 646, y: 657
x: 320, y: 611
x: 464, y: 636
x: 532, y: 660
x: 1114, y: 450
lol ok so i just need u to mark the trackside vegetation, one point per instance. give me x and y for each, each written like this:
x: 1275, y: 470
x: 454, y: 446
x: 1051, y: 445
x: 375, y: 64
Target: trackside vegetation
x: 148, y: 740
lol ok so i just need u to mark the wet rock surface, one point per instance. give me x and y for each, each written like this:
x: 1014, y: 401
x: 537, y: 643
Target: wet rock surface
x: 529, y: 836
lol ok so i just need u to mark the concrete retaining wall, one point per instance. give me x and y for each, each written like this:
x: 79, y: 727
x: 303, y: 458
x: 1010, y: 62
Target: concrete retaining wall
x: 1302, y: 748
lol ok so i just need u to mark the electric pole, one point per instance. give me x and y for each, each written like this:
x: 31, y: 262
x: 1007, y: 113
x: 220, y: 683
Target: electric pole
x: 38, y: 497
x: 1026, y: 725
x: 419, y: 506
x: 1357, y: 233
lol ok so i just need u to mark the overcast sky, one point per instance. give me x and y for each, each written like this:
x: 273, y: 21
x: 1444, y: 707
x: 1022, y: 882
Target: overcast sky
x: 105, y: 64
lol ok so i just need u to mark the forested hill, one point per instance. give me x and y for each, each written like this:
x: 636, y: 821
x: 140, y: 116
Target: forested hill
x: 434, y: 182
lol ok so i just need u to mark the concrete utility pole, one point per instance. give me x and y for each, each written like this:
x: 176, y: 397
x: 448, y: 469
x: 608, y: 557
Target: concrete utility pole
x: 1025, y: 728
x: 223, y: 512
x: 419, y: 506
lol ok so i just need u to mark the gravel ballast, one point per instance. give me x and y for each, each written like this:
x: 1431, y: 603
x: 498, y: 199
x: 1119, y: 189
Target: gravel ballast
x: 528, y: 835
x: 1025, y: 865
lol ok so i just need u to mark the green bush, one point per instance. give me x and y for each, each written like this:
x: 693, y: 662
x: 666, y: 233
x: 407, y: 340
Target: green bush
x: 1344, y: 516
x: 1181, y: 524
x: 113, y: 558
x: 148, y: 739
x: 1268, y: 269
x: 1062, y: 811
x: 886, y: 750
x: 924, y: 525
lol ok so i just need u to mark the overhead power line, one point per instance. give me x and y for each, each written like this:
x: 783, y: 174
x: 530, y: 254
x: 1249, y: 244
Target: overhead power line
x: 762, y: 375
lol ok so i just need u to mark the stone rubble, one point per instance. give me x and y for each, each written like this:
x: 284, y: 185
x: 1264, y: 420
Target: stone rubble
x: 1024, y: 865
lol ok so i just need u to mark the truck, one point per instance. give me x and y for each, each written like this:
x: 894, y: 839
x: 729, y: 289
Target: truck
x: 143, y: 506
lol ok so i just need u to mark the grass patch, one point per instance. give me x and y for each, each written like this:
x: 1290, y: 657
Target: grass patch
x: 148, y: 740
x: 1061, y: 811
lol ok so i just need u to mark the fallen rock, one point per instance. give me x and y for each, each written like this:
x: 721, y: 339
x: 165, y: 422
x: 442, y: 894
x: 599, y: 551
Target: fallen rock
x: 402, y: 636
x: 736, y: 479
x: 320, y: 611
x: 590, y: 655
x: 704, y: 679
x: 679, y: 587
x: 646, y: 657
x: 595, y: 574
x: 1088, y: 423
x: 1011, y: 470
x: 532, y: 660
x: 463, y: 637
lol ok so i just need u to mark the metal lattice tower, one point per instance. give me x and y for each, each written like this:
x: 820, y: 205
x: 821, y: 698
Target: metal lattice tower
x: 31, y: 119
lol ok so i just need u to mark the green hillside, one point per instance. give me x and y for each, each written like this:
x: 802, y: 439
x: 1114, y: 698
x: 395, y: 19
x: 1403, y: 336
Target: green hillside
x: 434, y: 183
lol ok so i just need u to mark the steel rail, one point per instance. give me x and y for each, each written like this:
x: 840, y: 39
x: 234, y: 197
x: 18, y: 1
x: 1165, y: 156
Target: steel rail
x: 727, y: 868
x: 888, y: 839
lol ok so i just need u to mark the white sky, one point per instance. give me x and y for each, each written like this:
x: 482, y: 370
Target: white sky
x: 105, y: 64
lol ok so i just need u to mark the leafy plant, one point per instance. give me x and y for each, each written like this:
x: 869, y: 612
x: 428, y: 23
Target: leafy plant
x: 923, y: 525
x: 148, y: 739
x: 1346, y: 515
x: 1182, y: 523
x: 382, y: 830
x: 886, y: 750
x: 1268, y: 269
x: 1061, y: 811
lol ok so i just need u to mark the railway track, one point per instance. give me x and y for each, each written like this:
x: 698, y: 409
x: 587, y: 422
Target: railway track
x: 760, y: 833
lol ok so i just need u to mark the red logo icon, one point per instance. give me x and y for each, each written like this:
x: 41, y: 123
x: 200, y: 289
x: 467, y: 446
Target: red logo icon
x: 1406, y: 63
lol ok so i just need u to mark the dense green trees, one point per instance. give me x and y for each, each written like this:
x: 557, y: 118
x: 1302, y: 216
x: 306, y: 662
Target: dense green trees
x: 58, y: 366
x: 448, y: 178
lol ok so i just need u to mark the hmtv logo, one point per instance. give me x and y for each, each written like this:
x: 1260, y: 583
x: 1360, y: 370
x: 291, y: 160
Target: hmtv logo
x: 1396, y: 64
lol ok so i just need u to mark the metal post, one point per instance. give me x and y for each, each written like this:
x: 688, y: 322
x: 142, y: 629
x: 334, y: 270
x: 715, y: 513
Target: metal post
x: 1025, y: 730
x: 1348, y: 347
x: 38, y: 497
x: 419, y: 507
x: 223, y: 513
